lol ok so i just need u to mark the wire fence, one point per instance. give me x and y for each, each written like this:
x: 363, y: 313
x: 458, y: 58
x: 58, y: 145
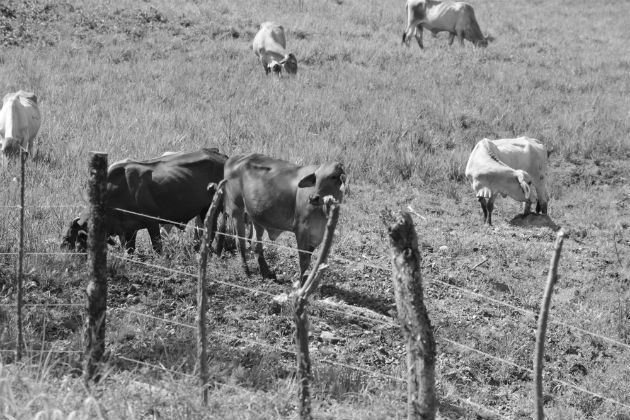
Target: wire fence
x: 348, y: 313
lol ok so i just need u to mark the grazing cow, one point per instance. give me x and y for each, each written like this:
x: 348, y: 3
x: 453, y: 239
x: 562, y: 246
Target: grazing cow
x: 530, y: 155
x: 491, y: 177
x: 456, y: 18
x: 19, y: 123
x: 279, y: 196
x: 171, y: 187
x: 270, y: 48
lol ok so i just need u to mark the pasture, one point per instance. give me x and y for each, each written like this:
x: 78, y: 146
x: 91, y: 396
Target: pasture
x: 135, y: 79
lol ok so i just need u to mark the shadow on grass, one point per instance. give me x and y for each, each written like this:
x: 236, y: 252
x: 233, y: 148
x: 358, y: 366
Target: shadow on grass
x: 375, y: 303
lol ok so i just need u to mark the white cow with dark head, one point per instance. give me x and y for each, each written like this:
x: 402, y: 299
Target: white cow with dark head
x: 270, y: 47
x: 19, y: 123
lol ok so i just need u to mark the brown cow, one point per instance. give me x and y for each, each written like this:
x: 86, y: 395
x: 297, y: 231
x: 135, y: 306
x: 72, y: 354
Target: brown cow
x: 171, y: 187
x: 280, y: 196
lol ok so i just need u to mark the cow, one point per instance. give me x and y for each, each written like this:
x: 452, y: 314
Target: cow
x: 19, y: 123
x: 280, y: 196
x: 270, y: 47
x: 456, y: 18
x: 490, y: 177
x: 171, y: 188
x: 530, y: 155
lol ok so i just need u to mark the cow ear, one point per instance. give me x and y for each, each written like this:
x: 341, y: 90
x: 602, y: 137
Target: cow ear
x: 308, y: 181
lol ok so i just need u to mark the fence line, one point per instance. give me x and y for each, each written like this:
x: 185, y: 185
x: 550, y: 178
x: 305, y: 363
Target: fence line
x: 529, y: 370
x: 42, y: 351
x: 46, y: 206
x: 35, y: 305
x: 80, y: 254
x: 387, y: 269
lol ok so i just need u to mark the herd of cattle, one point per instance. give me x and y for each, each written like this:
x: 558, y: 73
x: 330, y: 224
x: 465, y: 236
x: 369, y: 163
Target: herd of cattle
x: 274, y: 195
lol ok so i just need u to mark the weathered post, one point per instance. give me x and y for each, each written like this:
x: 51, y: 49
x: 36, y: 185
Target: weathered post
x: 414, y: 320
x: 97, y: 261
x: 20, y: 274
x: 202, y: 295
x: 300, y: 301
x: 542, y: 325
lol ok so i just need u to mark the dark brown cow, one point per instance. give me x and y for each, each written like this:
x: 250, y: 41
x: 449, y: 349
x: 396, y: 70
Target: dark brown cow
x: 171, y: 187
x: 280, y: 196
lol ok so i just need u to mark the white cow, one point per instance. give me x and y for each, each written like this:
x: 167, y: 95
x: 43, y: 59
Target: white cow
x: 270, y: 47
x: 491, y: 177
x: 19, y: 123
x: 530, y: 155
x: 456, y: 18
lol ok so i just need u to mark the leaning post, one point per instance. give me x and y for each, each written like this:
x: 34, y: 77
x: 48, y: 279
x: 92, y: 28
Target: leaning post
x: 202, y: 295
x: 97, y: 261
x: 414, y: 320
x: 542, y: 325
x: 300, y: 302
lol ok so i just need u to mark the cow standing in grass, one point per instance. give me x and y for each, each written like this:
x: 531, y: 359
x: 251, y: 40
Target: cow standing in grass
x: 171, y: 187
x: 279, y: 196
x: 456, y: 18
x: 19, y: 123
x: 270, y: 47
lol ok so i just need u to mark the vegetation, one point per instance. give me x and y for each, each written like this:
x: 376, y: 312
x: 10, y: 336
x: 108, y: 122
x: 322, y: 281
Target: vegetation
x: 136, y: 79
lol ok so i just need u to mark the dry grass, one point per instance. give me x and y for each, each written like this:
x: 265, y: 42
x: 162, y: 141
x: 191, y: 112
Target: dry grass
x: 137, y: 79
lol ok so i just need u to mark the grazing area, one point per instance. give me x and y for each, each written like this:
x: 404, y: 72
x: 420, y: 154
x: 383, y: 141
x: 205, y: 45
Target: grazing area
x: 137, y: 79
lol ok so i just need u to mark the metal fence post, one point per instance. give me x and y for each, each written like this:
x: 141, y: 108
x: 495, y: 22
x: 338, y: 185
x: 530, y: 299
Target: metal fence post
x: 97, y: 261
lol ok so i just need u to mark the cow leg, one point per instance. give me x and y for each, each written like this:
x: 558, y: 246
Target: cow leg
x: 543, y: 198
x: 527, y: 207
x: 239, y: 228
x: 156, y: 238
x: 484, y: 209
x: 451, y: 37
x: 460, y: 35
x: 418, y: 35
x: 490, y: 207
x: 265, y: 272
x: 128, y: 241
x: 221, y: 228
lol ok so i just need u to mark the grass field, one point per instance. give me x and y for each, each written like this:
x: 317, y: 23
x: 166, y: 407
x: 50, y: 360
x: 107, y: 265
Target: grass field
x: 135, y: 79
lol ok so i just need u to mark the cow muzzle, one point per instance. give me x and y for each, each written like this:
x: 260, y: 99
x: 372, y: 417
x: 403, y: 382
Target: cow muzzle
x: 315, y: 200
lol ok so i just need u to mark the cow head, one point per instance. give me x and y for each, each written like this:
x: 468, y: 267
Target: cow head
x: 328, y: 179
x: 289, y: 63
x: 76, y: 236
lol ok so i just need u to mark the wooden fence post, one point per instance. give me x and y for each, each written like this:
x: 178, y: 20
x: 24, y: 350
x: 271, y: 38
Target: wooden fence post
x: 97, y: 261
x: 202, y: 296
x: 414, y: 320
x: 300, y: 301
x: 542, y: 325
x: 20, y: 274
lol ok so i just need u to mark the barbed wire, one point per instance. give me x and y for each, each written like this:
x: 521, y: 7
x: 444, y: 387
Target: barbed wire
x: 79, y: 254
x: 45, y: 206
x: 140, y: 362
x: 35, y: 305
x: 531, y: 371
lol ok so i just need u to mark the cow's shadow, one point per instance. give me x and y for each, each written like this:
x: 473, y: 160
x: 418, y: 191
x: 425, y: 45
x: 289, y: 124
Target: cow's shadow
x: 379, y: 304
x: 534, y: 220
